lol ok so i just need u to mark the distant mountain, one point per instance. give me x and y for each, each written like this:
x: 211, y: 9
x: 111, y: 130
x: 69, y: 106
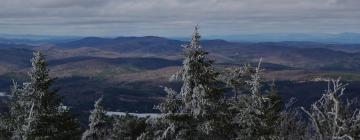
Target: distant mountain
x: 297, y: 54
x: 35, y: 39
x: 135, y: 62
x: 343, y: 38
x: 347, y: 38
x: 18, y: 57
x: 147, y: 44
x: 13, y: 45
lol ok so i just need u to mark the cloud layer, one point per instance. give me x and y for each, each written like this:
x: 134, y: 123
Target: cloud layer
x: 177, y: 17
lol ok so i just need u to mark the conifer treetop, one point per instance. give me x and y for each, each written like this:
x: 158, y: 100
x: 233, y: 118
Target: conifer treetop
x: 98, y: 113
x: 195, y: 41
x: 98, y: 127
x: 39, y: 66
x: 39, y: 74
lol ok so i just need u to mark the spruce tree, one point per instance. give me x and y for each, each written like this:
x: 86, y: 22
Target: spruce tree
x: 18, y: 108
x: 200, y: 93
x: 248, y: 111
x: 99, y: 126
x: 198, y: 111
x: 272, y: 112
x: 236, y: 78
x: 171, y: 104
x: 128, y: 127
x: 36, y: 112
x: 256, y: 115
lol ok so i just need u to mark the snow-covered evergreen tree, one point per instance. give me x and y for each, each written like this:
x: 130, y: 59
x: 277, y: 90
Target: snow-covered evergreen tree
x: 273, y: 108
x: 18, y: 107
x: 171, y: 104
x: 36, y: 112
x: 198, y: 111
x: 128, y: 127
x: 248, y: 110
x: 256, y: 115
x: 48, y: 117
x: 331, y: 118
x: 99, y: 126
x: 4, y: 130
x: 236, y: 78
x: 200, y: 93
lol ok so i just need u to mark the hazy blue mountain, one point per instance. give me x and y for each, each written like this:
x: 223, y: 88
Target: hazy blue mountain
x: 35, y: 39
x: 348, y: 38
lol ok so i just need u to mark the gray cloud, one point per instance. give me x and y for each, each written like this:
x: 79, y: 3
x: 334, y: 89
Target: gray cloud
x: 177, y: 17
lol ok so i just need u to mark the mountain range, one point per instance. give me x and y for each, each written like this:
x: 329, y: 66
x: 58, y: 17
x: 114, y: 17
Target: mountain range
x: 131, y: 72
x: 342, y: 38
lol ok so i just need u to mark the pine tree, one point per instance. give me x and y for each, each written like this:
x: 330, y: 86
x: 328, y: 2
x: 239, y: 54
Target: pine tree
x: 274, y: 106
x: 199, y: 92
x: 99, y: 126
x: 236, y: 78
x: 18, y: 107
x: 198, y: 111
x: 256, y: 115
x: 248, y: 111
x: 128, y: 127
x: 5, y: 132
x: 36, y: 111
x: 171, y: 104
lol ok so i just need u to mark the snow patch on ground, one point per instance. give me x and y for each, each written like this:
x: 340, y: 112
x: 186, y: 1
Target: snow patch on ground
x: 3, y: 94
x: 140, y: 115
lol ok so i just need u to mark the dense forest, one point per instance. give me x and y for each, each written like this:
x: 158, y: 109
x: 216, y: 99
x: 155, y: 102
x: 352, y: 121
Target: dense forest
x: 203, y: 109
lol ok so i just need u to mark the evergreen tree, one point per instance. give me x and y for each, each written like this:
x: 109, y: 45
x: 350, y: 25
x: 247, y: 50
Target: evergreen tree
x: 249, y: 115
x: 5, y: 129
x: 236, y: 78
x: 99, y: 126
x: 128, y: 127
x: 36, y: 112
x: 274, y: 106
x: 171, y: 104
x: 200, y: 93
x: 256, y: 115
x: 198, y: 111
x: 18, y: 108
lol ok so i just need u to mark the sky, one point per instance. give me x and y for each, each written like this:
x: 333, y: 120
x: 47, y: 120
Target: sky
x: 177, y: 17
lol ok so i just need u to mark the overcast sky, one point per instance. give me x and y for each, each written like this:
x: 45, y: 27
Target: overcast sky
x: 177, y: 17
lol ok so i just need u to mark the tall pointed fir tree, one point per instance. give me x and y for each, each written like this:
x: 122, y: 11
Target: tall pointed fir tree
x: 200, y: 93
x: 256, y: 114
x: 272, y: 112
x: 99, y: 126
x: 198, y: 111
x: 36, y: 111
x: 248, y: 110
